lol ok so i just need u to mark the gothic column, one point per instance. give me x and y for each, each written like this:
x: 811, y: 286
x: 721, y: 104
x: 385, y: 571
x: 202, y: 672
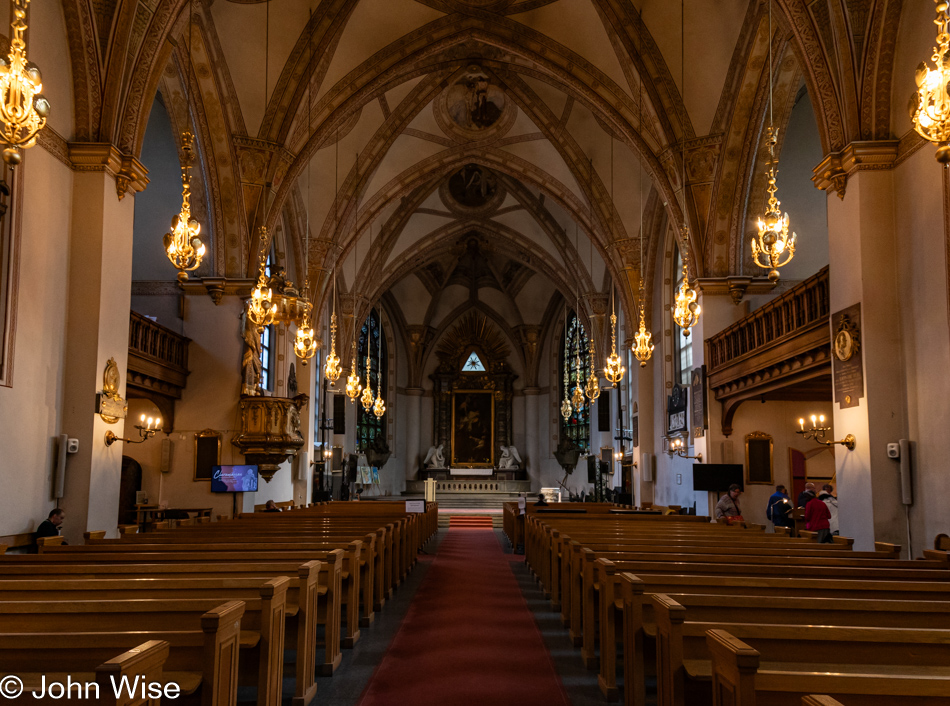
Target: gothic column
x: 413, y: 421
x: 532, y: 435
x: 862, y: 270
x: 97, y: 329
x: 644, y: 490
x: 308, y: 383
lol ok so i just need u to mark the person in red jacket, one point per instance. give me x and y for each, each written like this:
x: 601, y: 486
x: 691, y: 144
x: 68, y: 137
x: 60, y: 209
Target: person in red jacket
x: 817, y: 516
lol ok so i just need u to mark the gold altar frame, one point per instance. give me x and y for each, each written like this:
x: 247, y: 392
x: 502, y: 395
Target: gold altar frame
x: 455, y: 462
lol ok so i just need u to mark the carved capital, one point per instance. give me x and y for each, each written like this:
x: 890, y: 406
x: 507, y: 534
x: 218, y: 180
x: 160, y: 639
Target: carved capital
x: 735, y: 287
x: 834, y: 171
x: 128, y: 172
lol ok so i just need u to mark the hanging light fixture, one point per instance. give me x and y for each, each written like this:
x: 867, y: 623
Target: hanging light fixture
x: 566, y: 403
x: 379, y: 407
x: 23, y: 109
x: 593, y: 382
x: 577, y: 397
x: 367, y: 399
x: 686, y: 309
x: 182, y: 244
x: 643, y: 341
x: 260, y: 309
x: 305, y: 342
x: 614, y: 369
x: 772, y: 247
x: 353, y: 386
x: 332, y: 369
x: 930, y: 104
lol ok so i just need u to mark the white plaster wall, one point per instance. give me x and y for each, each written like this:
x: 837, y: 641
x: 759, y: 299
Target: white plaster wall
x: 32, y: 406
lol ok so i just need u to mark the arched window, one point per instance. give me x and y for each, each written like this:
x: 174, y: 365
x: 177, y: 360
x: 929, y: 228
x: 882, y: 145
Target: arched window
x: 267, y: 338
x: 368, y: 426
x: 682, y: 345
x: 574, y: 341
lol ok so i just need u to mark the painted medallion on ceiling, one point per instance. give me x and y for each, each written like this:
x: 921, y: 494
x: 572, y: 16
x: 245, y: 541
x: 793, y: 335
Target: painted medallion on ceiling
x: 475, y: 107
x: 473, y: 190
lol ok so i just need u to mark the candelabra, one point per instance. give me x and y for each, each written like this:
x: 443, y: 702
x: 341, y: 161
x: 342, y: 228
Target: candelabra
x: 817, y: 433
x: 686, y: 310
x: 676, y: 447
x: 182, y: 244
x: 147, y: 431
x: 23, y: 109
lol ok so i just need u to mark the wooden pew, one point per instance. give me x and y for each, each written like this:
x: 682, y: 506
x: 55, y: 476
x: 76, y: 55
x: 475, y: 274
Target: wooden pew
x: 144, y: 662
x: 737, y: 679
x: 310, y: 594
x: 262, y: 625
x: 204, y: 660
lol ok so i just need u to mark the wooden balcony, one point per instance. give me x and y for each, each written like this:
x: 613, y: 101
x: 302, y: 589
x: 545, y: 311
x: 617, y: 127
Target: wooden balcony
x: 158, y: 365
x: 781, y: 351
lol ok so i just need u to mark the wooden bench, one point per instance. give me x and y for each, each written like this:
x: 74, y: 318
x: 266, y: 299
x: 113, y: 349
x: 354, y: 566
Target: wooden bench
x: 261, y: 638
x: 144, y: 662
x: 204, y: 660
x: 684, y: 665
x: 738, y: 678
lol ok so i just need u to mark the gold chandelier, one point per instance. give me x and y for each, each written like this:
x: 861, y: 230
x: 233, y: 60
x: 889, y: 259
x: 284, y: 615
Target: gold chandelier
x: 305, y: 342
x: 379, y: 408
x: 23, y: 109
x: 772, y: 247
x: 614, y: 370
x: 773, y: 242
x: 930, y: 104
x: 182, y: 244
x: 353, y: 386
x: 577, y: 397
x: 686, y: 310
x: 593, y: 383
x: 566, y: 403
x: 260, y: 310
x: 367, y: 399
x: 332, y: 369
x: 643, y: 348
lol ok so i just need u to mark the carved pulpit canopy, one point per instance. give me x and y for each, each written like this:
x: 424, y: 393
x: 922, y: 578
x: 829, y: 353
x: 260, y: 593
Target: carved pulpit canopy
x: 474, y: 333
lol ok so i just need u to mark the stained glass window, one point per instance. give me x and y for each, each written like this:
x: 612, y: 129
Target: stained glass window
x: 368, y: 427
x: 577, y: 426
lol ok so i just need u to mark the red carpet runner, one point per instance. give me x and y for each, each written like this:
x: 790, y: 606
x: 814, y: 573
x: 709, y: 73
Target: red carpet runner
x: 468, y: 638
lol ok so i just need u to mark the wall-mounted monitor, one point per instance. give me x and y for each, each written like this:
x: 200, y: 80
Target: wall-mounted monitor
x: 234, y: 479
x: 716, y: 477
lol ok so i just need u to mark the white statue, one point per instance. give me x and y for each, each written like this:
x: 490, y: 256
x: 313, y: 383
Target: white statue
x: 509, y: 459
x: 435, y: 458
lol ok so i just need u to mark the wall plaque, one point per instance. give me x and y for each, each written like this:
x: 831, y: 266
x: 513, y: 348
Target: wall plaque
x: 676, y: 409
x: 697, y: 398
x: 848, y: 363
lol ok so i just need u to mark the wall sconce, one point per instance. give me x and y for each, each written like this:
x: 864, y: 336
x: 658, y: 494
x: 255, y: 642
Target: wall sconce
x: 818, y: 433
x: 676, y: 447
x: 145, y: 432
x: 618, y: 455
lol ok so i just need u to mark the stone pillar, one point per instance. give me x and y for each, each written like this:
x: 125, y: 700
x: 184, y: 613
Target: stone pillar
x: 862, y: 271
x: 532, y: 436
x: 413, y: 421
x: 644, y: 490
x: 308, y: 383
x: 97, y: 329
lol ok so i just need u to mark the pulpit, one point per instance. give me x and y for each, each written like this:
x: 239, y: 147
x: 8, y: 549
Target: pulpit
x: 270, y: 431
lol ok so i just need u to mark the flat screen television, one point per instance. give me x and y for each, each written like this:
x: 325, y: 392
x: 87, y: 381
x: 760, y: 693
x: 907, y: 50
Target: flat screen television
x: 234, y: 479
x: 716, y: 477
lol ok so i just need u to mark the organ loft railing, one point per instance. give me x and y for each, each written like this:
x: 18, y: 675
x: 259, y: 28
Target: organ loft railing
x: 779, y: 351
x: 158, y: 365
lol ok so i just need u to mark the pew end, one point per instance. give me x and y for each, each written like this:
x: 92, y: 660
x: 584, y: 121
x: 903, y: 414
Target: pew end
x: 891, y: 551
x: 942, y: 542
x: 43, y: 542
x: 734, y: 665
x: 128, y: 529
x: 147, y: 660
x: 95, y: 534
x: 816, y: 700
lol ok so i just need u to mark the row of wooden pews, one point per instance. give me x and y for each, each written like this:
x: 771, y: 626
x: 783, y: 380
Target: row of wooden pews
x: 213, y: 605
x: 724, y: 615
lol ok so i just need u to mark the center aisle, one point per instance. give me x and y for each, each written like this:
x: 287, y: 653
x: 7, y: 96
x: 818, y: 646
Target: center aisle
x: 468, y: 637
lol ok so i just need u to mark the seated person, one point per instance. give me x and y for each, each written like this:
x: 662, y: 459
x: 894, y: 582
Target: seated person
x: 541, y: 501
x: 271, y: 506
x: 50, y: 526
x: 728, y: 505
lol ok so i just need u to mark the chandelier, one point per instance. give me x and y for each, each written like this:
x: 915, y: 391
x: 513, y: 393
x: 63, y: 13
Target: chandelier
x: 260, y: 310
x: 353, y: 386
x: 367, y: 399
x: 23, y: 109
x: 593, y: 383
x: 686, y: 310
x: 614, y: 370
x: 379, y: 408
x: 566, y: 402
x: 930, y: 105
x: 643, y: 348
x: 577, y: 397
x: 773, y: 242
x: 305, y: 342
x: 182, y: 244
x: 332, y: 369
x: 772, y: 248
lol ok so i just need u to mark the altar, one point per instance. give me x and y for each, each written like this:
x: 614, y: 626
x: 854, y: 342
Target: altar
x: 471, y: 471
